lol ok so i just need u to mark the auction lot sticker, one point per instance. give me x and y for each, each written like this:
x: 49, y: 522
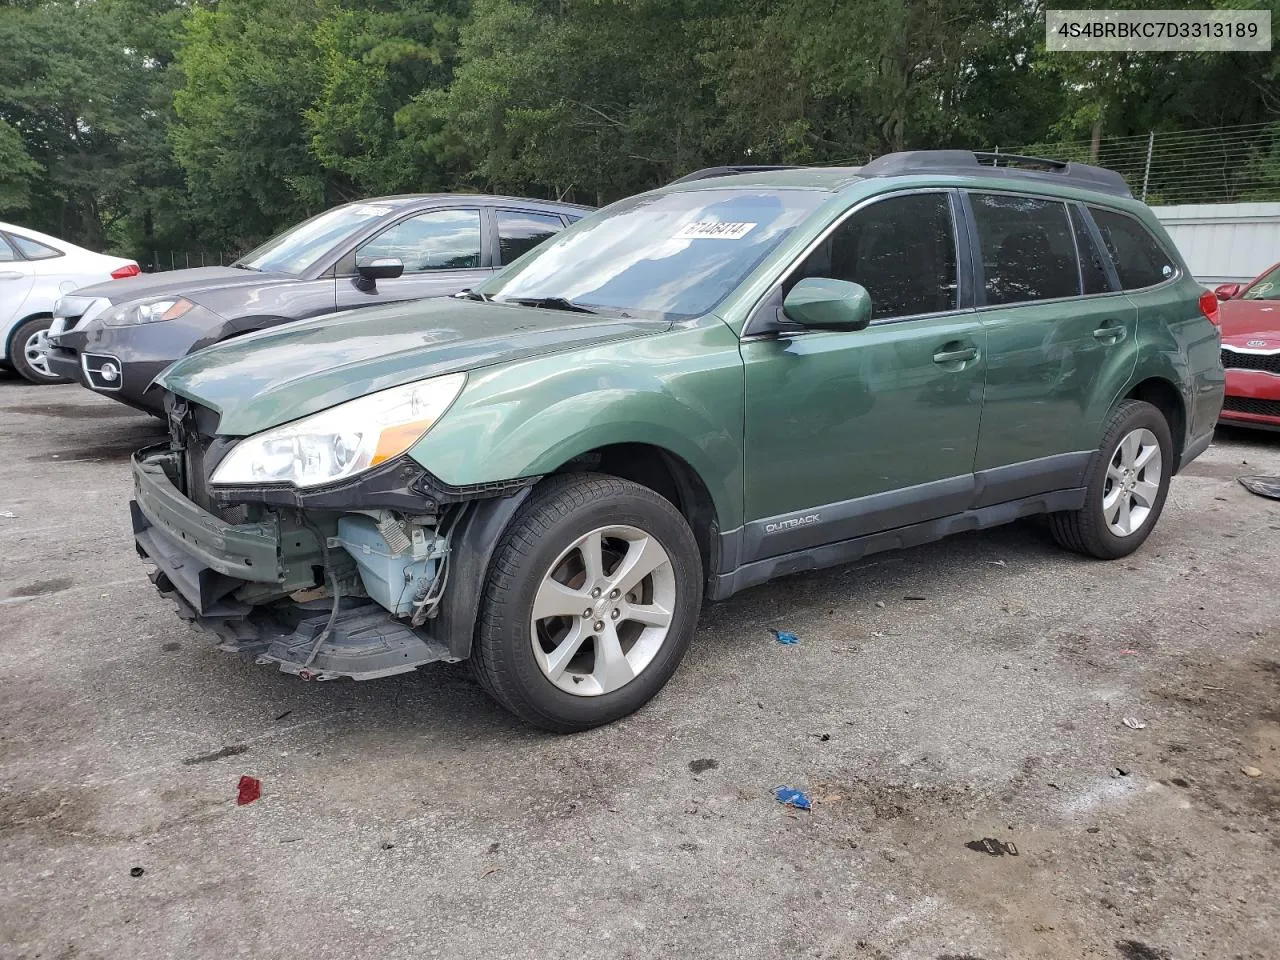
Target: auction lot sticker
x: 714, y: 230
x: 1245, y: 31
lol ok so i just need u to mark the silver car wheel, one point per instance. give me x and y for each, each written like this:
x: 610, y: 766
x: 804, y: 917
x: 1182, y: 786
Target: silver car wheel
x: 603, y: 610
x: 1133, y: 482
x: 35, y: 357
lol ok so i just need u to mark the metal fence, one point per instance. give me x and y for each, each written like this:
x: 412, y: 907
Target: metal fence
x: 158, y: 261
x: 1211, y: 165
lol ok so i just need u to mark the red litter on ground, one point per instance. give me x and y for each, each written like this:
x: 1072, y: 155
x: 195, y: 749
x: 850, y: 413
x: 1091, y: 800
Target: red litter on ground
x: 250, y: 789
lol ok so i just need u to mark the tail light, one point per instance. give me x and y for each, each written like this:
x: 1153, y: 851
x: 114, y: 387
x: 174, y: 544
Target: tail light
x: 132, y: 270
x: 1209, y: 307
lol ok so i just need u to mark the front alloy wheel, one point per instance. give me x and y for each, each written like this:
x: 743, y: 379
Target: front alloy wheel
x: 590, y: 603
x: 603, y: 610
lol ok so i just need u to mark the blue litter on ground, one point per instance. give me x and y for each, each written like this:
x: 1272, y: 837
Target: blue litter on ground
x: 784, y: 636
x: 792, y: 798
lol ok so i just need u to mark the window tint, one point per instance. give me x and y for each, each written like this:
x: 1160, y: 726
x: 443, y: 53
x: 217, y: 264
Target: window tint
x: 439, y: 240
x: 7, y: 253
x: 34, y: 250
x: 1027, y: 250
x: 1092, y: 270
x: 902, y: 250
x: 521, y: 232
x: 1139, y: 260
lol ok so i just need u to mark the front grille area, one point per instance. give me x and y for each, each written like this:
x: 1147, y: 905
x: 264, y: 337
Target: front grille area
x: 1267, y: 408
x: 1232, y: 360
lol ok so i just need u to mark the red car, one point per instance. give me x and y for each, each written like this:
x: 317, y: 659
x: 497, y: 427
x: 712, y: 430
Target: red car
x: 1251, y: 351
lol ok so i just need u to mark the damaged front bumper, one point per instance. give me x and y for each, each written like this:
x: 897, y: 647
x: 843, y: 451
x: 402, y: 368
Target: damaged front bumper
x: 214, y: 569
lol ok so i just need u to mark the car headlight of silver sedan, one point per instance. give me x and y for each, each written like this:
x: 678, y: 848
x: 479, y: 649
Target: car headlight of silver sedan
x: 343, y: 440
x: 149, y: 310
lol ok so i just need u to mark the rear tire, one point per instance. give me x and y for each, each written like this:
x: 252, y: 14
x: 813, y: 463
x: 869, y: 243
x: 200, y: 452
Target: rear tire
x: 22, y: 352
x: 1126, y: 485
x: 590, y: 603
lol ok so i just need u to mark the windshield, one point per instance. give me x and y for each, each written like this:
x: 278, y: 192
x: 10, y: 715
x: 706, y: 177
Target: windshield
x: 298, y: 250
x: 1267, y: 287
x: 667, y: 256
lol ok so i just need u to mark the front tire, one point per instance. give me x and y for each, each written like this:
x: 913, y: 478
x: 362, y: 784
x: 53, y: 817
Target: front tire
x: 24, y: 356
x: 590, y: 603
x: 1126, y: 485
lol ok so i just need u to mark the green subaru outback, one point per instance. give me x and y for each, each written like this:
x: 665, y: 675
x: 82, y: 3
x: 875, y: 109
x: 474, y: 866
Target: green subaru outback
x: 746, y: 374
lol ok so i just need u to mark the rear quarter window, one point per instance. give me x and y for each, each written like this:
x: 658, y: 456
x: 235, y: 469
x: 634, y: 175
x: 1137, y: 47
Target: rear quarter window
x: 1139, y: 259
x: 34, y: 249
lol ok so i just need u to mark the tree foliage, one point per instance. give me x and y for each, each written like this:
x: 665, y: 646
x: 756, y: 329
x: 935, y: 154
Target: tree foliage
x: 142, y: 124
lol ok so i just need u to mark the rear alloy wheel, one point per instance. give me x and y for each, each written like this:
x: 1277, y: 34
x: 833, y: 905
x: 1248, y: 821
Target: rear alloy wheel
x: 26, y: 356
x: 1132, y: 484
x: 1125, y: 487
x: 591, y: 602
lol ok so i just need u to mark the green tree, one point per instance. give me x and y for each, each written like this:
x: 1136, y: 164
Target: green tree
x: 250, y: 71
x: 19, y: 170
x: 85, y: 86
x: 374, y: 59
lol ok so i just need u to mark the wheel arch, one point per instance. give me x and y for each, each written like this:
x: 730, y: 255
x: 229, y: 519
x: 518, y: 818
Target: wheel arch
x: 1167, y: 398
x: 12, y: 336
x: 667, y: 474
x: 482, y: 526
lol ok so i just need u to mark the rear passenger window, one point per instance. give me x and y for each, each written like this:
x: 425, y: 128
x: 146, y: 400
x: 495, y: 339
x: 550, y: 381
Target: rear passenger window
x: 7, y: 253
x: 519, y: 233
x: 902, y: 249
x: 1140, y: 261
x: 1092, y: 270
x: 1027, y: 250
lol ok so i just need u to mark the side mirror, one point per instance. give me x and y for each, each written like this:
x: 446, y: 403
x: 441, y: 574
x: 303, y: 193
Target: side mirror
x: 1227, y: 290
x: 822, y: 304
x: 369, y: 272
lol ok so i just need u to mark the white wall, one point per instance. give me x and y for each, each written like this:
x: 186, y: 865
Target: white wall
x: 1224, y: 242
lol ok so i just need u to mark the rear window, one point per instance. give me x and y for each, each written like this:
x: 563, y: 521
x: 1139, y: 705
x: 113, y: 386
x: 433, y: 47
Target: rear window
x: 1027, y: 248
x: 34, y: 249
x: 1139, y: 260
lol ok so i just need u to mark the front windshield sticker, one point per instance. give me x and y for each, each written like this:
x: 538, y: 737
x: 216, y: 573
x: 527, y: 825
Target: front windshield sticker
x: 713, y: 230
x: 371, y: 210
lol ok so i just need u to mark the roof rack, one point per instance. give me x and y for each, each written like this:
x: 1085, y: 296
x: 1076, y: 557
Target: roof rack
x: 1013, y: 165
x: 708, y: 172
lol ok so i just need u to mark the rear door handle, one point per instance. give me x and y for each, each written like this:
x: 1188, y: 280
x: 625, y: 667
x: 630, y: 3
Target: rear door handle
x: 1109, y: 334
x: 11, y: 275
x: 951, y: 356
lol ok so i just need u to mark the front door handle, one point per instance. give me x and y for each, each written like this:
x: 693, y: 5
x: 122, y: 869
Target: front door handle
x: 952, y: 356
x: 1109, y: 334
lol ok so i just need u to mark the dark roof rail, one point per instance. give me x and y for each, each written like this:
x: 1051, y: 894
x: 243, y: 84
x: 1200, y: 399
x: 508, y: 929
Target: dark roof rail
x: 1013, y: 165
x: 707, y: 172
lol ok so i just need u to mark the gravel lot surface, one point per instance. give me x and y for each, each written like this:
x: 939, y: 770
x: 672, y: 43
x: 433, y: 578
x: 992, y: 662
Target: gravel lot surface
x: 967, y: 691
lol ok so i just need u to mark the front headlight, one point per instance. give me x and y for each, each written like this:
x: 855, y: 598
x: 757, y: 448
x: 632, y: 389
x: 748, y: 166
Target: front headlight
x: 146, y: 311
x: 344, y: 440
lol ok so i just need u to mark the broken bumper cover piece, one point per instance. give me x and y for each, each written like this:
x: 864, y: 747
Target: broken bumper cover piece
x: 201, y: 561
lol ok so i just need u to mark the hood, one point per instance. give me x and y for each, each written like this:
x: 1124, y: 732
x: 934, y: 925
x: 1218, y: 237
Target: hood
x: 1253, y: 324
x: 268, y: 378
x: 187, y: 283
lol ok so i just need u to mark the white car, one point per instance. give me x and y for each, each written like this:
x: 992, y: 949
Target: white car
x: 35, y: 270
